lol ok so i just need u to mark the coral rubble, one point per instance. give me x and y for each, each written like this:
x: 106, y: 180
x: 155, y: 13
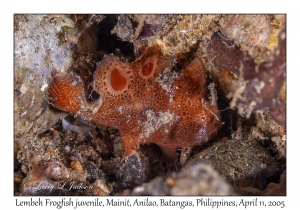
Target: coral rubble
x: 150, y: 104
x: 260, y: 79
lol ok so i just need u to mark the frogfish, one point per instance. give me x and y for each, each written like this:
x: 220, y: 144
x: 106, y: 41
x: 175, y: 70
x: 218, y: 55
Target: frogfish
x: 146, y: 100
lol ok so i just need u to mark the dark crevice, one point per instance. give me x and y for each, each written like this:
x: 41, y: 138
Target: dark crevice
x: 110, y: 42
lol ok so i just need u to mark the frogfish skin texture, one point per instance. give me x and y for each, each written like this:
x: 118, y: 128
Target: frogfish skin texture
x: 145, y: 100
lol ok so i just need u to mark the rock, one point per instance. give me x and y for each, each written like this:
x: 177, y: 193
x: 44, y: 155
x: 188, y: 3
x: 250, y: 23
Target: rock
x: 133, y: 170
x: 242, y: 162
x: 199, y: 179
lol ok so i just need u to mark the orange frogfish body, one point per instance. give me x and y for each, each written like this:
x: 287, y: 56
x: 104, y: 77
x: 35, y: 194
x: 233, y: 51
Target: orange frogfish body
x: 145, y: 100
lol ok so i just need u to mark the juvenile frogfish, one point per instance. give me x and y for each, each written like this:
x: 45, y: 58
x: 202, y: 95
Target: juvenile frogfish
x: 146, y: 100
